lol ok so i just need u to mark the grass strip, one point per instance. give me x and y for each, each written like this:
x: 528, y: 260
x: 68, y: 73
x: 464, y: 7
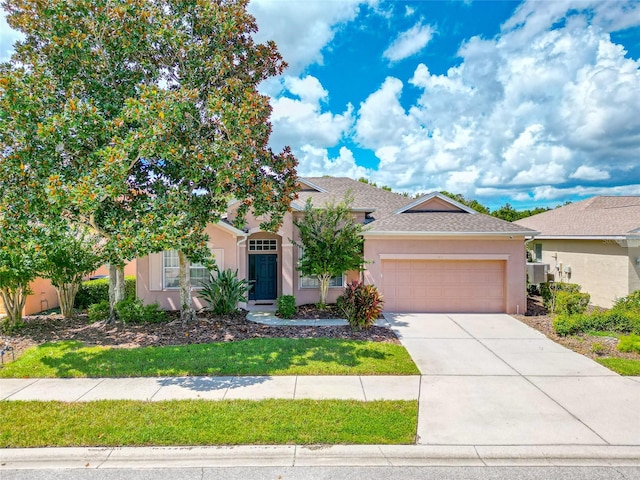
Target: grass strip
x: 260, y: 356
x: 199, y: 422
x: 623, y: 366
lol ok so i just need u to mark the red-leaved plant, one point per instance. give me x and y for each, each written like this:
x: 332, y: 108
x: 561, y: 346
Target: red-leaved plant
x: 361, y: 304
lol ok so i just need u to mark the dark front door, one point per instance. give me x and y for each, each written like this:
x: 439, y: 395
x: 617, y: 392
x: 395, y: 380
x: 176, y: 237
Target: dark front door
x: 263, y: 272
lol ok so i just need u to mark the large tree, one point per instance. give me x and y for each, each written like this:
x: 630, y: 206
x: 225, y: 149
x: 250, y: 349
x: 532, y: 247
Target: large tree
x: 332, y: 242
x: 150, y: 121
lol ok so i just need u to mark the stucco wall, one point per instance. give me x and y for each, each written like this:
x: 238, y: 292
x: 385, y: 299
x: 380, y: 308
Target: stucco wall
x: 149, y: 286
x: 514, y: 249
x: 601, y: 267
x: 634, y: 268
x: 44, y: 297
x: 129, y: 270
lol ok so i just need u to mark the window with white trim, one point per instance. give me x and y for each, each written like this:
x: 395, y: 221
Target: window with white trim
x: 538, y: 251
x: 263, y: 245
x: 171, y: 271
x: 313, y: 282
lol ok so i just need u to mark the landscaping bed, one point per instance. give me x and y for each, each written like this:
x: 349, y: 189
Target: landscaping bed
x: 39, y: 329
x: 593, y: 346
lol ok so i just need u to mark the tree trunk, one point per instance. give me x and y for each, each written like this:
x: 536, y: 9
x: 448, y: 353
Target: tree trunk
x: 66, y: 297
x: 116, y: 289
x: 13, y: 300
x: 324, y: 288
x: 187, y: 313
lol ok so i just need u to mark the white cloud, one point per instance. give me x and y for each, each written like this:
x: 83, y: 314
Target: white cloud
x: 299, y: 122
x: 555, y: 113
x: 409, y: 43
x: 584, y: 172
x: 301, y: 30
x: 308, y: 89
x: 315, y: 162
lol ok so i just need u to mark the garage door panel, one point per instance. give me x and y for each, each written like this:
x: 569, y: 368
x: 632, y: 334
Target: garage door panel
x: 444, y: 286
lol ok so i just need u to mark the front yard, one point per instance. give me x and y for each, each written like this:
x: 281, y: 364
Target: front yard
x: 50, y: 346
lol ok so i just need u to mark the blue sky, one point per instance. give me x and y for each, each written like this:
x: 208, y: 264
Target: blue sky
x: 532, y: 103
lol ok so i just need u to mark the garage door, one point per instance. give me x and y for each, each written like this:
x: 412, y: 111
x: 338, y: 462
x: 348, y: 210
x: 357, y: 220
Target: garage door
x: 443, y: 285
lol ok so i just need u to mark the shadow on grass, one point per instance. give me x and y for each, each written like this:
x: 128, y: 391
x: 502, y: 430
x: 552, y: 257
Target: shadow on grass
x: 254, y: 357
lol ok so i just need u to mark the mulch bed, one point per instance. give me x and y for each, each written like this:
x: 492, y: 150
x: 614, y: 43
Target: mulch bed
x: 207, y: 328
x: 538, y: 317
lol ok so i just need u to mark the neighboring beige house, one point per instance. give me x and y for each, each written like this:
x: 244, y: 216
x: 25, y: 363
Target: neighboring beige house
x: 594, y: 243
x: 426, y: 255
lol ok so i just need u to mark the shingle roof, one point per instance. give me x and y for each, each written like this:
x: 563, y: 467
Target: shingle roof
x: 384, y: 203
x: 446, y: 222
x: 597, y: 216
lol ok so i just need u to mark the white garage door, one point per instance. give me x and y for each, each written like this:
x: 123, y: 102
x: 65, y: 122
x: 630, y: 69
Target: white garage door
x: 443, y: 285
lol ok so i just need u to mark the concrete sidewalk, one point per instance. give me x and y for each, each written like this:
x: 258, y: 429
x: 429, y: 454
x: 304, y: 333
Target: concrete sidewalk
x: 364, y: 388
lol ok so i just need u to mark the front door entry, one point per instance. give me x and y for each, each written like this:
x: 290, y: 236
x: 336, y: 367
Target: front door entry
x: 263, y: 273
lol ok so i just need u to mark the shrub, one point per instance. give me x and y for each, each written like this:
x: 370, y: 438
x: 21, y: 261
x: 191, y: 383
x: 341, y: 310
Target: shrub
x: 224, y: 291
x: 598, y: 348
x: 96, y: 291
x: 629, y: 303
x: 611, y: 320
x: 286, y: 306
x: 133, y: 311
x: 571, y: 302
x: 629, y: 343
x: 549, y: 291
x: 99, y: 311
x: 361, y: 304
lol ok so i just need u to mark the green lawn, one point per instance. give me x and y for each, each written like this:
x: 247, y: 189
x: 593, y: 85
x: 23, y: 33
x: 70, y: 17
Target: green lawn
x: 623, y: 366
x: 198, y: 422
x: 263, y: 356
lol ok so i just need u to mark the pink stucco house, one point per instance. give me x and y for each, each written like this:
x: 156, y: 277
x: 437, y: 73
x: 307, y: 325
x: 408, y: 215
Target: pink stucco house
x: 429, y: 254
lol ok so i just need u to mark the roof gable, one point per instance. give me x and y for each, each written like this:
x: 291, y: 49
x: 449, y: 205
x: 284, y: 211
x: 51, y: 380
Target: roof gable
x: 435, y: 202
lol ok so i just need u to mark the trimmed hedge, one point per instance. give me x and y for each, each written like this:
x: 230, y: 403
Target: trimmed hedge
x: 611, y: 320
x: 96, y: 291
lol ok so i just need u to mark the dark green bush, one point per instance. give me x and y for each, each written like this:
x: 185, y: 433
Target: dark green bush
x: 609, y: 320
x: 571, y: 302
x: 96, y: 291
x: 99, y: 311
x: 224, y: 291
x: 286, y: 306
x: 550, y: 290
x: 361, y: 304
x: 133, y: 311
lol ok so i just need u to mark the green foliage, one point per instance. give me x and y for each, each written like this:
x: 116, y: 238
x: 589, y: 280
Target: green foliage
x: 98, y: 311
x: 224, y: 291
x: 96, y: 291
x: 629, y: 303
x: 256, y: 356
x: 133, y: 311
x: 477, y: 206
x: 286, y: 306
x: 571, y: 302
x: 609, y: 320
x: 361, y: 304
x: 117, y: 423
x: 629, y: 343
x: 623, y: 366
x: 598, y: 348
x: 332, y: 242
x: 114, y: 113
x: 549, y: 292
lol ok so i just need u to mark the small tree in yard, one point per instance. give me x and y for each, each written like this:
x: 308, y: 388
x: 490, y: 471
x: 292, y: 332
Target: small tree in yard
x: 70, y: 254
x: 332, y: 242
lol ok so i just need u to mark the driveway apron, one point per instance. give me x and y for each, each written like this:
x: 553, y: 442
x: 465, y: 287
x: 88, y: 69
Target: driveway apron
x: 488, y: 379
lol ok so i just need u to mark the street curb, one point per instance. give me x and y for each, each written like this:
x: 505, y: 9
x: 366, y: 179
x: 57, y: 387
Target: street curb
x: 307, y: 456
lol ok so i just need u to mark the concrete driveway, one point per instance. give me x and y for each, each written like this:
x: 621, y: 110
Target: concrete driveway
x: 488, y: 379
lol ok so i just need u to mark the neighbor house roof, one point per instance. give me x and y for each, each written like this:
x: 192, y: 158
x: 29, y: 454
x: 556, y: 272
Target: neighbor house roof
x: 596, y: 217
x: 394, y: 214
